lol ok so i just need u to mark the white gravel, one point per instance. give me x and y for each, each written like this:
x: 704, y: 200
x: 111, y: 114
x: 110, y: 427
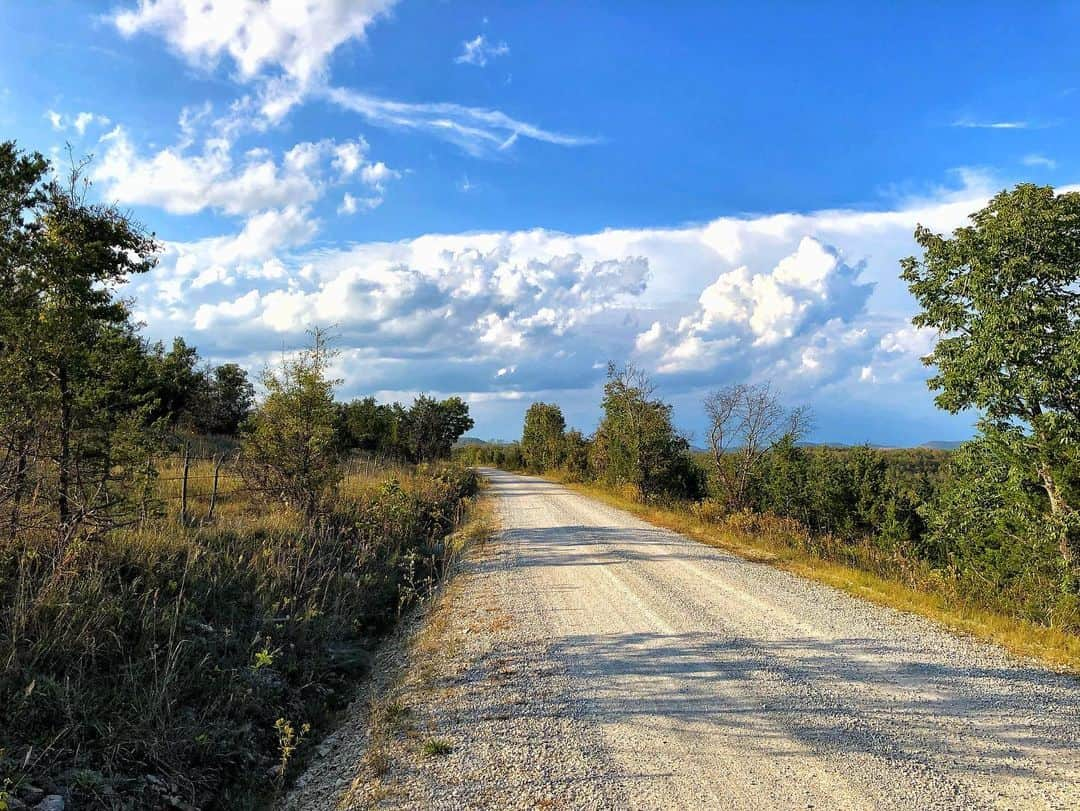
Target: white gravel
x: 591, y: 660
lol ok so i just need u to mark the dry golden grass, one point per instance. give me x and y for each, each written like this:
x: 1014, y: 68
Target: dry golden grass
x: 1050, y: 645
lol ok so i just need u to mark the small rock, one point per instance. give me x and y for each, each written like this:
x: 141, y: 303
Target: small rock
x: 53, y: 802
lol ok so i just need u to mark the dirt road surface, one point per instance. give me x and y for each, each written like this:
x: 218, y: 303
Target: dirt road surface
x: 643, y: 670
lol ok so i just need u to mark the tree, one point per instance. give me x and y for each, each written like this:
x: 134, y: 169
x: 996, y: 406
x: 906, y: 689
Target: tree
x: 290, y: 447
x: 1003, y: 295
x: 228, y: 400
x: 431, y: 427
x: 636, y: 443
x: 746, y: 422
x: 65, y: 405
x: 542, y: 437
x: 368, y: 425
x: 575, y: 455
x: 181, y: 385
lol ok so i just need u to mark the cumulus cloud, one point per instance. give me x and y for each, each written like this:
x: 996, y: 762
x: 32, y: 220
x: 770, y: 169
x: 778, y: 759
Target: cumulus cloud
x: 754, y: 316
x: 811, y: 300
x: 286, y: 46
x: 185, y: 182
x: 479, y: 51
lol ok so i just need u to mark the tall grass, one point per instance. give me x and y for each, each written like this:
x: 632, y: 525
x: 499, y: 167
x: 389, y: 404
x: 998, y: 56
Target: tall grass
x: 161, y: 663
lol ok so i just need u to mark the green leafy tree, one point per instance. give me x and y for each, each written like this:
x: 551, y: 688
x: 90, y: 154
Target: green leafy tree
x: 542, y: 438
x: 181, y: 386
x: 431, y: 427
x: 370, y: 426
x: 636, y: 442
x: 228, y: 400
x: 63, y: 259
x: 1003, y: 294
x: 290, y: 449
x: 575, y: 455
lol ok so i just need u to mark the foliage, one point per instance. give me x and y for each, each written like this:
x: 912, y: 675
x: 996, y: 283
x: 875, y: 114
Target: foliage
x: 637, y: 444
x: 575, y: 454
x: 430, y: 427
x: 290, y: 448
x: 370, y: 426
x: 1003, y: 293
x: 76, y: 440
x: 746, y: 422
x: 424, y: 432
x: 542, y: 437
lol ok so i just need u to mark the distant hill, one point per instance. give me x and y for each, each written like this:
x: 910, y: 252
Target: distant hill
x: 942, y: 445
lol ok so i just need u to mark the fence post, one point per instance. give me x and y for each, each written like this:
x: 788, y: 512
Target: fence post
x: 218, y: 459
x: 183, y: 485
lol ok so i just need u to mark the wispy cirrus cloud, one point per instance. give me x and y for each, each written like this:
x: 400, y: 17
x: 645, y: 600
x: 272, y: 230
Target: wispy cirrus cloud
x: 477, y: 130
x: 479, y: 51
x: 283, y: 50
x: 973, y: 124
x: 1035, y: 159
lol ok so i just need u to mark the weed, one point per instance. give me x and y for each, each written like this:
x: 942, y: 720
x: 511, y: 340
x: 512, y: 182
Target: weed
x: 436, y: 747
x: 289, y: 738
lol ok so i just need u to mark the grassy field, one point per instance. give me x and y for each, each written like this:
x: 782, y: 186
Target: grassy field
x: 189, y: 664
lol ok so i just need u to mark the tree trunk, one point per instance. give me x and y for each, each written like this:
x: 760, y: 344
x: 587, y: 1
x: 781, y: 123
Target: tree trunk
x: 16, y: 499
x: 64, y: 462
x: 1061, y: 510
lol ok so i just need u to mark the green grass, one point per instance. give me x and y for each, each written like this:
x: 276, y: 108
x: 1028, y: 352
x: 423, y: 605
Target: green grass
x: 436, y: 747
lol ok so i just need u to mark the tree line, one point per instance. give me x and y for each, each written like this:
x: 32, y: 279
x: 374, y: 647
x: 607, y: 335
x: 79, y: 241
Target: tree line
x: 998, y: 517
x: 87, y: 404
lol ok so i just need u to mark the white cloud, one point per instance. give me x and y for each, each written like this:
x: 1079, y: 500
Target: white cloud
x: 783, y: 296
x: 475, y: 129
x: 1040, y: 160
x: 478, y: 51
x: 349, y: 204
x: 968, y: 123
x: 285, y: 45
x: 183, y: 182
x: 349, y: 157
x: 79, y: 122
x: 377, y: 174
x: 753, y: 315
x: 283, y: 48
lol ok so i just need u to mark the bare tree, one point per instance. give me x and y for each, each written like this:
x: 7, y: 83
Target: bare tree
x: 746, y: 421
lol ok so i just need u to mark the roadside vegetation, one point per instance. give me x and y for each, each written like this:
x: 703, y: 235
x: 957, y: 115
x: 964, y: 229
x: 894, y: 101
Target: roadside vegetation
x: 986, y: 538
x: 191, y: 577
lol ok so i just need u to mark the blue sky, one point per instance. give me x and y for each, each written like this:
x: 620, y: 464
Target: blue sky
x: 494, y: 200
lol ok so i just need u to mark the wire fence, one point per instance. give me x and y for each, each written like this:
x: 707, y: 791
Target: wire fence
x: 185, y: 476
x: 190, y: 483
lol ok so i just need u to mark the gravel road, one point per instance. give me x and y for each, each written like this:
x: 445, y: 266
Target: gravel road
x: 630, y: 667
